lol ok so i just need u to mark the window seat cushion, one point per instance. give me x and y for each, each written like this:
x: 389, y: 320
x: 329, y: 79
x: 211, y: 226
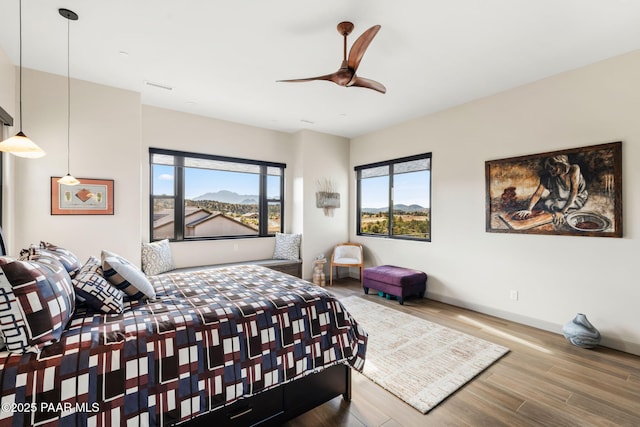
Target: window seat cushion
x: 293, y: 267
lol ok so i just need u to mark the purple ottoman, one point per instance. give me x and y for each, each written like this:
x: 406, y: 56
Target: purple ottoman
x: 398, y: 281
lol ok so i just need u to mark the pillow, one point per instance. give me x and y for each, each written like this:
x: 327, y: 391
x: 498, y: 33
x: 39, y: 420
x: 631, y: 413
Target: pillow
x: 287, y: 246
x: 70, y: 262
x: 126, y: 277
x: 36, y: 303
x: 94, y: 290
x: 156, y: 257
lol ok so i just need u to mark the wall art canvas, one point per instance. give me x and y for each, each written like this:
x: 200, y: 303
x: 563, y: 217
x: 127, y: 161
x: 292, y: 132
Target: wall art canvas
x: 90, y: 197
x: 569, y: 192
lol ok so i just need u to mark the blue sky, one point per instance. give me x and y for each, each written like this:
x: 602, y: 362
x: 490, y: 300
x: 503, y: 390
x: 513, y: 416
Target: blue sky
x: 201, y: 181
x: 409, y: 188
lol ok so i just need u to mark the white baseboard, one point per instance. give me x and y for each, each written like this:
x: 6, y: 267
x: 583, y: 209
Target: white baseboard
x: 614, y: 343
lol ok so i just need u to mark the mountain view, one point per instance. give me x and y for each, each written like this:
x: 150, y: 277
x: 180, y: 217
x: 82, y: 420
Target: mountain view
x: 226, y: 196
x: 397, y: 207
x: 239, y: 207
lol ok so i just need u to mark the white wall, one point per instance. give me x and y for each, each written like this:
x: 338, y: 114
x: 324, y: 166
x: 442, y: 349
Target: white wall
x: 309, y: 156
x: 321, y: 157
x: 556, y: 276
x: 168, y: 129
x: 105, y: 135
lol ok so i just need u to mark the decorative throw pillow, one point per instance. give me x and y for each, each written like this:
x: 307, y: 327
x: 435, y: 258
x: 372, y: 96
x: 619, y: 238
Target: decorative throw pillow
x: 126, y: 277
x: 37, y: 301
x: 94, y: 290
x: 287, y: 246
x: 156, y: 257
x: 70, y: 262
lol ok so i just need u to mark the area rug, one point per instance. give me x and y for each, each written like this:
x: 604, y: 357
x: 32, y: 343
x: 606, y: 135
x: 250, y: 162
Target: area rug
x: 419, y: 361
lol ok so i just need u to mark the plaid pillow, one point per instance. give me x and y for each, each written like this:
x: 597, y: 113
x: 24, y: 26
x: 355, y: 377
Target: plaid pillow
x: 126, y: 277
x: 70, y: 262
x: 36, y: 302
x: 94, y: 290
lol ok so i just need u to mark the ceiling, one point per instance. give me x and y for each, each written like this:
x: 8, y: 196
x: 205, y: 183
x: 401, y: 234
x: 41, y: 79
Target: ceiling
x: 222, y: 59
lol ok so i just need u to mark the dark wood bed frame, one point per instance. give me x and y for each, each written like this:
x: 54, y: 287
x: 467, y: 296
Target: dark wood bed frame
x: 274, y: 407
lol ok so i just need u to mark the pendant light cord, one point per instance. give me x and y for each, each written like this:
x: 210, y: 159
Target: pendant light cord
x: 68, y: 101
x: 20, y: 74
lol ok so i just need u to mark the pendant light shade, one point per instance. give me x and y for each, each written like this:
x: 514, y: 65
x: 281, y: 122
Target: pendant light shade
x: 20, y: 145
x: 68, y: 179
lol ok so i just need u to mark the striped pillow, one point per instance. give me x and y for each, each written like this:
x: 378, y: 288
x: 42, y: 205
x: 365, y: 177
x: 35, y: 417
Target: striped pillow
x: 126, y: 277
x: 37, y: 303
x: 94, y: 290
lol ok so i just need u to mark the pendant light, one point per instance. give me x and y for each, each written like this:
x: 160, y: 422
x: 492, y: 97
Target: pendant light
x: 20, y: 145
x: 68, y: 179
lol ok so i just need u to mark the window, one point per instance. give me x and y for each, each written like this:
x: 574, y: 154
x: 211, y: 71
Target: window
x: 199, y: 196
x: 394, y: 198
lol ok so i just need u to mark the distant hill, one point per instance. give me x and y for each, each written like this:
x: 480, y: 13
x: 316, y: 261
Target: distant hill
x: 398, y: 207
x: 226, y: 196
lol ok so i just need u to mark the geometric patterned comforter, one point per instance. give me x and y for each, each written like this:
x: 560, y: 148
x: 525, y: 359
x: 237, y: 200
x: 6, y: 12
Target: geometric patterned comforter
x: 210, y: 338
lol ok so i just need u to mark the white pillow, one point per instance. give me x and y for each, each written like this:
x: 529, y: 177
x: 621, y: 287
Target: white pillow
x: 126, y: 277
x: 156, y: 257
x: 287, y: 246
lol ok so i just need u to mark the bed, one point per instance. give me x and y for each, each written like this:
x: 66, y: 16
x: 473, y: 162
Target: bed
x: 238, y: 345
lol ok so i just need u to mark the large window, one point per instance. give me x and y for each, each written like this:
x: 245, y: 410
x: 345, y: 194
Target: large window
x: 199, y: 196
x: 394, y: 198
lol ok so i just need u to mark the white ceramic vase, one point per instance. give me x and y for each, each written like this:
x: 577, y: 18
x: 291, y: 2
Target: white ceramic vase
x: 580, y: 332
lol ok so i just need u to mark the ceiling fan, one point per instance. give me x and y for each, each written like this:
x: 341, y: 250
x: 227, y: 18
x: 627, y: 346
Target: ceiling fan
x: 346, y: 75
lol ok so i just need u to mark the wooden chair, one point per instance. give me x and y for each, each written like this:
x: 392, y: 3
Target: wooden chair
x: 346, y: 255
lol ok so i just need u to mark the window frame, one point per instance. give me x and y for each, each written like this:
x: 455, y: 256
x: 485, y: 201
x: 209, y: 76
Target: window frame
x: 5, y: 121
x: 390, y: 164
x: 179, y: 196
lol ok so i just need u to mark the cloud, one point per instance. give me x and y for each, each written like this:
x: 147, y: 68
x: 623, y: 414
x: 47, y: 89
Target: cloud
x: 165, y: 177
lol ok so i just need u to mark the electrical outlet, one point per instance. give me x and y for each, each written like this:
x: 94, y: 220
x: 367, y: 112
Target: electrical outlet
x: 513, y: 294
x: 235, y: 247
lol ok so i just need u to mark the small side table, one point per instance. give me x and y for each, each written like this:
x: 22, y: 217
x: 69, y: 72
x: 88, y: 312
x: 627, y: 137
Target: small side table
x: 318, y: 272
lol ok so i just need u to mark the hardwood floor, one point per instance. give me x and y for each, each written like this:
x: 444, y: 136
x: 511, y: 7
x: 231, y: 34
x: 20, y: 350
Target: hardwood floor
x: 542, y: 381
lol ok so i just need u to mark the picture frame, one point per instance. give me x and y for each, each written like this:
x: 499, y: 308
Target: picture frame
x: 90, y: 197
x: 532, y: 194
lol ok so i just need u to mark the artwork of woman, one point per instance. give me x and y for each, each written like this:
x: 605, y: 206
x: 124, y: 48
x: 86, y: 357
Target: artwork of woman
x: 567, y: 189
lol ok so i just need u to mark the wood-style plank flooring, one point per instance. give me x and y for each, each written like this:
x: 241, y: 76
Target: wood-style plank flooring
x: 543, y: 381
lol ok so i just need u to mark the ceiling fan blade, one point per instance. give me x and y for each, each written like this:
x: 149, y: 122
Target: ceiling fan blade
x: 342, y: 77
x: 360, y: 46
x: 369, y: 84
x: 329, y: 77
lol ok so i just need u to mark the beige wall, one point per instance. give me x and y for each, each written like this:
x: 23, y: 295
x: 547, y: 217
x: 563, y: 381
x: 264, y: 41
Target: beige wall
x: 105, y: 135
x: 308, y: 155
x: 556, y: 276
x: 323, y: 157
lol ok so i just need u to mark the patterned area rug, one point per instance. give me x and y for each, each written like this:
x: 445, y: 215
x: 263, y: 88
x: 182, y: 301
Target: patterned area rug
x: 419, y: 361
